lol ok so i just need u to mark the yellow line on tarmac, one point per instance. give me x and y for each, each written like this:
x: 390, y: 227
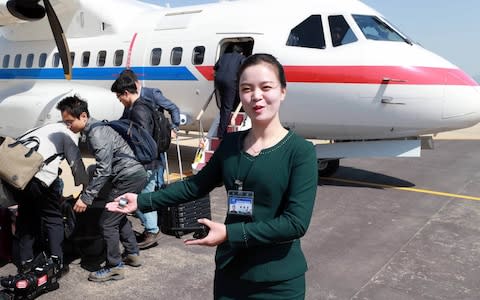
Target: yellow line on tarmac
x: 402, y: 188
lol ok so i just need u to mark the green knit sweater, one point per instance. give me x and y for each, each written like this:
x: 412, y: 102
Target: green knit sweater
x: 266, y: 246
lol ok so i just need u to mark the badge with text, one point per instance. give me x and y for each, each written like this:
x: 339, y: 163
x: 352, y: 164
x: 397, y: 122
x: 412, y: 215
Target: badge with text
x: 240, y: 202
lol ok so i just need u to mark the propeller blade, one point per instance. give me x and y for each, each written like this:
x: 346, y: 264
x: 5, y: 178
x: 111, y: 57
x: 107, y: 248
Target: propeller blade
x: 60, y: 39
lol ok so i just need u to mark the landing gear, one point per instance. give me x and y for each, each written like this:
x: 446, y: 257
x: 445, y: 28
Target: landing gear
x: 327, y: 167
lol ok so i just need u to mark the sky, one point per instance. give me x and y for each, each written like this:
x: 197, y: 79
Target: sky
x: 446, y: 27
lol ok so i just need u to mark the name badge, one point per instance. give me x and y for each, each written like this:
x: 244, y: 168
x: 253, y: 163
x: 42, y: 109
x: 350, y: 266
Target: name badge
x: 240, y: 203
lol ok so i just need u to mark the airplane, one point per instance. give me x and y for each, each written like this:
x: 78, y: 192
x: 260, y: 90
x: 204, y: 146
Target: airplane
x: 354, y: 79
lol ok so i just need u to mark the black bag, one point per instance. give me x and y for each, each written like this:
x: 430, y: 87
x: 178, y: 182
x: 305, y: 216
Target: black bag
x: 86, y: 240
x: 42, y: 278
x: 69, y: 216
x: 161, y: 129
x: 6, y: 196
x: 139, y: 139
x: 184, y: 215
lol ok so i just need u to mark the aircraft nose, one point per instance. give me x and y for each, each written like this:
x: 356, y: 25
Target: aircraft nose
x: 462, y: 98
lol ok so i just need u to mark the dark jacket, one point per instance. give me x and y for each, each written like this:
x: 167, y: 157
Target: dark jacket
x: 113, y: 157
x: 141, y: 113
x: 155, y: 96
x: 227, y: 66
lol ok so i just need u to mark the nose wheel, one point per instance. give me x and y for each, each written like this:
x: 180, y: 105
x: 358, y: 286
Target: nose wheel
x: 327, y: 167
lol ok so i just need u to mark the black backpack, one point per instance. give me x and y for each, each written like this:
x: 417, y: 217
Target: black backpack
x: 161, y: 128
x: 139, y: 139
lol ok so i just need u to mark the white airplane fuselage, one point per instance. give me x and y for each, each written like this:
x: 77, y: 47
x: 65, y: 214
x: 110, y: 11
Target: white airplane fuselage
x: 366, y: 89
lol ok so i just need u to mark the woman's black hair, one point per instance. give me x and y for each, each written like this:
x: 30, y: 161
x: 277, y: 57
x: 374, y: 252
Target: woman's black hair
x: 260, y: 58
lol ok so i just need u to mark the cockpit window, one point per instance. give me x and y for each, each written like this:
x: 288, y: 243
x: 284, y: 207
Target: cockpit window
x: 375, y: 29
x: 340, y: 31
x: 308, y: 34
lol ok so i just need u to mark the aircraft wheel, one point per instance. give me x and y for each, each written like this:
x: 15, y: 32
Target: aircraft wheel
x: 327, y: 167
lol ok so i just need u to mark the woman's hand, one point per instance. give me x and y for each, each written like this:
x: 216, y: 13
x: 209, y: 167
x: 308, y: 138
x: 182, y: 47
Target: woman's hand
x: 216, y: 235
x: 130, y: 207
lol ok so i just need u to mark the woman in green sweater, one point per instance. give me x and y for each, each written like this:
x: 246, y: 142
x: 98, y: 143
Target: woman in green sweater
x: 270, y: 175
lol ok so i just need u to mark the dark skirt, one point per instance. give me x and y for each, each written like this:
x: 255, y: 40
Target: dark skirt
x: 226, y: 287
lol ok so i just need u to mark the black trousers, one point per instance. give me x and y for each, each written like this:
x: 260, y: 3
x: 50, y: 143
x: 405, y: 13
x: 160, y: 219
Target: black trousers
x: 228, y: 100
x: 39, y: 212
x: 116, y: 227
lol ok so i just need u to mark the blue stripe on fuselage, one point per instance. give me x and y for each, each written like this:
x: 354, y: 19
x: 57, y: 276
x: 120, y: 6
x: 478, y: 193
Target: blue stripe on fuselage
x: 150, y: 73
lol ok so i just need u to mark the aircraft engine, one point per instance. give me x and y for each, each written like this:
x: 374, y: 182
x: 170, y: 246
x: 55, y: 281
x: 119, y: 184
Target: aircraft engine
x: 28, y: 10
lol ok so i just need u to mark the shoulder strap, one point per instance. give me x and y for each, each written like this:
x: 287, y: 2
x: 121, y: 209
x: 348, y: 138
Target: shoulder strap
x: 150, y: 104
x: 52, y: 158
x: 30, y: 131
x: 26, y: 133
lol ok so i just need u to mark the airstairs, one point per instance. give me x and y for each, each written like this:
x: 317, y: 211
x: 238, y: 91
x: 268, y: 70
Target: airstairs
x: 208, y: 144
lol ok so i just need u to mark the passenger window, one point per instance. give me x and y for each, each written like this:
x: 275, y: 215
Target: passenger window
x: 85, y: 58
x: 29, y: 62
x: 375, y: 29
x: 308, y: 34
x: 155, y: 56
x: 42, y: 60
x: 72, y: 57
x: 101, y: 58
x: 198, y: 55
x: 118, y: 59
x: 340, y: 31
x: 17, y: 61
x: 176, y: 56
x: 56, y: 60
x: 6, y: 61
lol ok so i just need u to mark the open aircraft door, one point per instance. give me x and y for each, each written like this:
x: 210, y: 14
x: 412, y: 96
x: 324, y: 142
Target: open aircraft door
x: 226, y: 45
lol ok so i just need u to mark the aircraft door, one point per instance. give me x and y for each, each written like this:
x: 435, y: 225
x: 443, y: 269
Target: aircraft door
x: 226, y: 45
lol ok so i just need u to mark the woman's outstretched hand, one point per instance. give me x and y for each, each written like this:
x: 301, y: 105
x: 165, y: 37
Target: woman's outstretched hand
x: 217, y: 234
x: 120, y: 206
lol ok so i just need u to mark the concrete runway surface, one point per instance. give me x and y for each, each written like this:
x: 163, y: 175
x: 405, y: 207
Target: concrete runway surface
x: 387, y: 228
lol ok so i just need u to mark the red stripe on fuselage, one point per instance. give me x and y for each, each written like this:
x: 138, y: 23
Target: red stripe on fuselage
x: 206, y: 71
x: 369, y: 75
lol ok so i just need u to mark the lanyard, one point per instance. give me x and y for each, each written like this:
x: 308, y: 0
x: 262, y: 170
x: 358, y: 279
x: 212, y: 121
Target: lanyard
x: 239, y: 182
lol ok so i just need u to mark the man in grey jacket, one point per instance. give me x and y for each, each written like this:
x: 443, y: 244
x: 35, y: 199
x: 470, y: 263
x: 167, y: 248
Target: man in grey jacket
x: 115, y: 164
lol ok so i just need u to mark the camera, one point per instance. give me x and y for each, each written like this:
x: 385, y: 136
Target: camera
x: 122, y: 202
x: 43, y: 278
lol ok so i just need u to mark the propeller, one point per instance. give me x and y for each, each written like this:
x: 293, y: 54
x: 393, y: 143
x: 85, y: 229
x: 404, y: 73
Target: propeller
x: 30, y: 10
x: 60, y: 39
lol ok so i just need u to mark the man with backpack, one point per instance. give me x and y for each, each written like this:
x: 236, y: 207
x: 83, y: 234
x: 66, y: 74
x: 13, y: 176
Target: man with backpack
x: 145, y: 106
x: 115, y: 165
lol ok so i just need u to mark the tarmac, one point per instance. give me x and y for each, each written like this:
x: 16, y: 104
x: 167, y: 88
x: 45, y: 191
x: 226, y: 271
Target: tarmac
x: 385, y: 228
